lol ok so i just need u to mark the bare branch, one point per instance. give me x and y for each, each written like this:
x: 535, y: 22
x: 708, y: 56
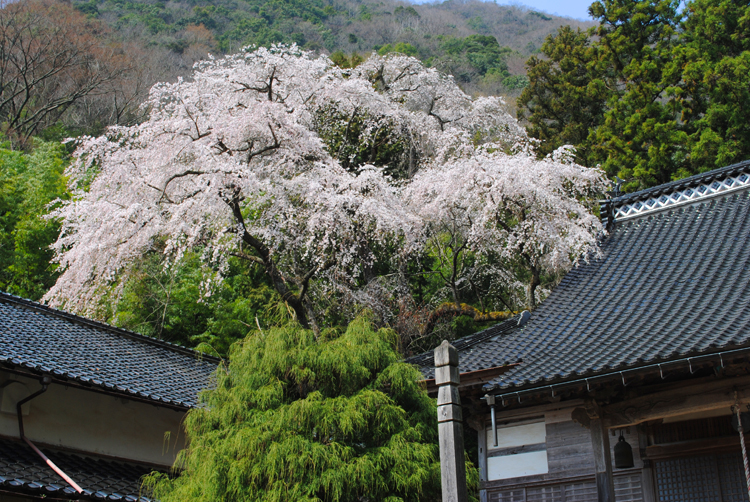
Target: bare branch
x: 266, y: 89
x: 169, y: 180
x: 252, y: 154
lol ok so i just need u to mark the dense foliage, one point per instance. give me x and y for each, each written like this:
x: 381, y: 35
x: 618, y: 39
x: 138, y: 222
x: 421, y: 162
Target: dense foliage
x: 29, y: 182
x: 166, y: 302
x: 566, y: 96
x: 429, y: 32
x: 479, y: 59
x: 293, y: 417
x: 659, y: 94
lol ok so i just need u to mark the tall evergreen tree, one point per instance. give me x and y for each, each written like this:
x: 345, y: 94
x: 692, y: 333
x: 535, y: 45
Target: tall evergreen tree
x: 676, y: 87
x: 640, y: 138
x: 567, y: 93
x: 714, y: 60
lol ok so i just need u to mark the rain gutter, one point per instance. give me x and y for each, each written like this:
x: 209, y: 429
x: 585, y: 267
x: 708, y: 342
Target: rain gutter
x: 506, y: 397
x: 45, y: 381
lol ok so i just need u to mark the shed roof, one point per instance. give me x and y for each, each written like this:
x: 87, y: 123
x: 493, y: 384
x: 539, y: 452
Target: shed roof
x: 41, y: 340
x: 673, y: 281
x: 22, y: 470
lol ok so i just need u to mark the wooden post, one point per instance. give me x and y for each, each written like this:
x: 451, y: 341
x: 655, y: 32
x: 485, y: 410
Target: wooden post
x: 605, y: 487
x: 450, y: 429
x: 482, y: 439
x: 647, y: 475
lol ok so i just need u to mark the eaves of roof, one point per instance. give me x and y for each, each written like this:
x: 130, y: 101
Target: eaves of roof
x: 472, y: 353
x: 38, y: 340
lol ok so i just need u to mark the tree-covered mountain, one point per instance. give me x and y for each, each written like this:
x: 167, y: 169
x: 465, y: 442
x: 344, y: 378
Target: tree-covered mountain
x: 484, y: 45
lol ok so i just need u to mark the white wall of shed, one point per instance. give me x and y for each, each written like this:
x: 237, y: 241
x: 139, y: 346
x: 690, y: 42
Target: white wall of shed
x: 94, y: 422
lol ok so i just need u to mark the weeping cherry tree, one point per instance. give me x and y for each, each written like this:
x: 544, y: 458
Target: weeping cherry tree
x: 281, y: 158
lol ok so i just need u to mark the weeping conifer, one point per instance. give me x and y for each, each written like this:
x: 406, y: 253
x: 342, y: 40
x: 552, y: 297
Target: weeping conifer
x: 293, y: 417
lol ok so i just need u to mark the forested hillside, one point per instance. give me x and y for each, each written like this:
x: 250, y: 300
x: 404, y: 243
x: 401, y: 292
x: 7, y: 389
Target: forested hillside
x: 90, y: 64
x: 483, y: 44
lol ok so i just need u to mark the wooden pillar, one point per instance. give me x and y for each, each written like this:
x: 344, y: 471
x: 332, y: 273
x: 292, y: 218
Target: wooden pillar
x: 482, y: 439
x: 605, y: 486
x: 450, y: 428
x: 647, y: 475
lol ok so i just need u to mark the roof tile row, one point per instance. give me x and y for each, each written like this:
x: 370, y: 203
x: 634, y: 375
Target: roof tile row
x: 22, y: 470
x: 47, y: 341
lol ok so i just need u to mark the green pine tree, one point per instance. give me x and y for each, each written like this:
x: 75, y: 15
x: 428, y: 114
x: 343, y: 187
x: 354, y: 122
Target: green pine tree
x: 714, y: 64
x: 641, y: 138
x: 567, y: 93
x: 654, y: 94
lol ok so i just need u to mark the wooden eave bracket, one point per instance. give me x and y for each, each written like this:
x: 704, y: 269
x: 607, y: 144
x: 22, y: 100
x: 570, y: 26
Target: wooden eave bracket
x: 473, y: 378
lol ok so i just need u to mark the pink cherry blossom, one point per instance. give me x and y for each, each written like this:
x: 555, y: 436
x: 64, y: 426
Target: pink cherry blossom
x: 232, y: 161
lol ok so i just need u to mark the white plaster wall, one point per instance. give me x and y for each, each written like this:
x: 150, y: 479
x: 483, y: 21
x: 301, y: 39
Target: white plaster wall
x: 518, y: 464
x: 517, y: 435
x: 93, y: 422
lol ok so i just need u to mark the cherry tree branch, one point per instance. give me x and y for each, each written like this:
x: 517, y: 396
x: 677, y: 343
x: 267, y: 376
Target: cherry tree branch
x: 197, y: 129
x: 266, y: 89
x: 252, y: 154
x: 233, y: 199
x: 248, y: 257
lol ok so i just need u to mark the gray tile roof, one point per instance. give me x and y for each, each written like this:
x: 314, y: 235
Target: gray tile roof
x: 474, y: 351
x: 37, y: 339
x: 672, y: 283
x: 22, y: 471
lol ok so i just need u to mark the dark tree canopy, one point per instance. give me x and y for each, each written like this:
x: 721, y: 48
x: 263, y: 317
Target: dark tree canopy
x: 566, y: 96
x: 640, y: 138
x: 715, y: 64
x: 653, y: 94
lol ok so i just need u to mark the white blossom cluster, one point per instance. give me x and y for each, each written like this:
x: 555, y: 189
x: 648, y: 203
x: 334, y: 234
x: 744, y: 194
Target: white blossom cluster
x: 241, y: 135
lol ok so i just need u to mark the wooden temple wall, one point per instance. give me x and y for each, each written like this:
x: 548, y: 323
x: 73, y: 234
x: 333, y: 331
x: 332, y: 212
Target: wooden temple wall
x: 558, y: 466
x: 684, y: 431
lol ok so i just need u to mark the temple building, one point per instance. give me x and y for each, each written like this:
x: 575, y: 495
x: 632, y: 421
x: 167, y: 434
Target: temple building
x: 631, y: 380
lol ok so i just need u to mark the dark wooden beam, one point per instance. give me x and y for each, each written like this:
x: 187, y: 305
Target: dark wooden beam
x: 648, y: 486
x: 659, y: 451
x: 678, y: 401
x: 605, y: 487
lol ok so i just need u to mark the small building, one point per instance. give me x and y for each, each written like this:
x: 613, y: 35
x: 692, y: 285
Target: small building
x: 647, y: 346
x: 110, y: 412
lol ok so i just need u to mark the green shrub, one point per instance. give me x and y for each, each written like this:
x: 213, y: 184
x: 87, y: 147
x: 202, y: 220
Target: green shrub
x: 293, y: 417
